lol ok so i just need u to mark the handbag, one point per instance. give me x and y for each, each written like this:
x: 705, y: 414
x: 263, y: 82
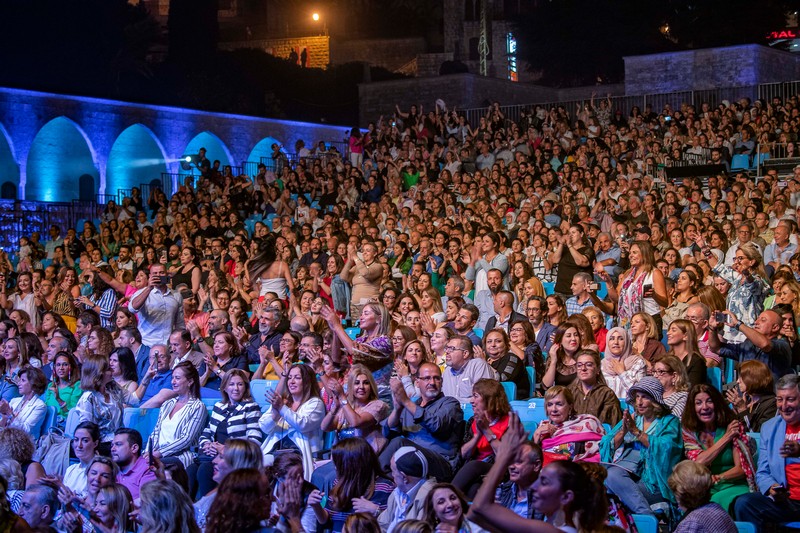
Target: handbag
x: 52, y: 452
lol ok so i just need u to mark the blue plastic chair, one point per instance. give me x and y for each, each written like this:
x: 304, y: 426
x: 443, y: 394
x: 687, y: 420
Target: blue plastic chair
x: 531, y: 412
x: 602, y: 290
x: 49, y: 421
x: 468, y: 411
x: 510, y: 388
x: 549, y: 287
x: 740, y: 162
x: 258, y: 388
x: 352, y: 332
x: 645, y: 523
x: 714, y: 375
x: 532, y: 379
x: 478, y: 332
x: 745, y: 527
x: 253, y: 367
x: 142, y: 420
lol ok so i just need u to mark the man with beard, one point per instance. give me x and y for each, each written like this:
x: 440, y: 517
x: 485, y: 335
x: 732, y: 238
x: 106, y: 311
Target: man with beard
x: 434, y: 424
x: 126, y: 451
x: 484, y: 300
x: 267, y: 335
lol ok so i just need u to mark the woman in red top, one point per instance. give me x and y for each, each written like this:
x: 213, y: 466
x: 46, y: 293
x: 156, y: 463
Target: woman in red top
x: 490, y: 421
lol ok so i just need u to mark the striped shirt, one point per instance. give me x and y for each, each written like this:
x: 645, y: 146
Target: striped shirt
x: 108, y: 307
x: 241, y: 420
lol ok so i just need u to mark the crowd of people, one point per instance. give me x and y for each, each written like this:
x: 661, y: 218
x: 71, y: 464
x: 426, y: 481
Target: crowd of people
x: 342, y: 343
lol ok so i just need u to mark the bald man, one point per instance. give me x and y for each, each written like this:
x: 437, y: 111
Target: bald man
x: 505, y: 316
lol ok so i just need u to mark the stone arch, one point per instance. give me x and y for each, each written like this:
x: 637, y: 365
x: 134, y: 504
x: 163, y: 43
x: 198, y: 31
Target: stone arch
x: 59, y: 156
x: 137, y: 157
x: 262, y: 149
x: 215, y: 148
x: 9, y: 169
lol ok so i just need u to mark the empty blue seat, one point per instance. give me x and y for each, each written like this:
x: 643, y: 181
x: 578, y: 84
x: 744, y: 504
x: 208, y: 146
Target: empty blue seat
x: 531, y: 412
x: 258, y: 388
x: 714, y: 375
x: 468, y: 411
x: 48, y: 422
x: 352, y: 332
x: 740, y: 162
x: 602, y: 290
x: 745, y: 527
x: 532, y: 379
x: 645, y: 523
x: 142, y: 420
x: 478, y: 332
x: 549, y: 287
x: 510, y: 388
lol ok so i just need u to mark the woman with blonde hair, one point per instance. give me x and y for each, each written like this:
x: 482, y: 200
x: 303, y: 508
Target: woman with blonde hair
x: 710, y: 296
x: 431, y: 304
x: 112, y: 507
x: 682, y: 339
x: 790, y: 295
x: 358, y: 412
x: 749, y: 286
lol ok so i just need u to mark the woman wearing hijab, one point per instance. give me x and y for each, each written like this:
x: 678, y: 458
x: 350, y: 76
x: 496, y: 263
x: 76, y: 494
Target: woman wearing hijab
x: 621, y: 367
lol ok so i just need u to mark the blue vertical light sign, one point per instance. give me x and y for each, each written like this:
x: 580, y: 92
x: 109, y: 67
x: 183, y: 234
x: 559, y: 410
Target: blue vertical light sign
x: 511, y: 54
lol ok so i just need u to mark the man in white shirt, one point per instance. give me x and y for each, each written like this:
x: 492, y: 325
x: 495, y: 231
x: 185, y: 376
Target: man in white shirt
x: 159, y: 308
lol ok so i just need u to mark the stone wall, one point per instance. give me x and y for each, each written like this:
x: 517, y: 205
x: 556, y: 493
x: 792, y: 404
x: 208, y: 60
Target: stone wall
x: 733, y: 66
x: 390, y: 54
x: 319, y: 53
x: 460, y: 90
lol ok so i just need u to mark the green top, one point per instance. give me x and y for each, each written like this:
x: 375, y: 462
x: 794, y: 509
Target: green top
x: 70, y: 395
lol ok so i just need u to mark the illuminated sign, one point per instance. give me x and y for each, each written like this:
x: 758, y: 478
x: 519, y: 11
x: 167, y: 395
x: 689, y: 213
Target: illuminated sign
x: 788, y: 33
x: 511, y: 53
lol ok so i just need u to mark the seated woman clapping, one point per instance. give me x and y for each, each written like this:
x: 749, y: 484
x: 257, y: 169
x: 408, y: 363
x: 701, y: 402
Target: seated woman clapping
x: 714, y: 437
x: 27, y: 410
x: 359, y: 412
x: 235, y: 417
x: 565, y: 435
x: 621, y: 367
x: 641, y: 450
x: 490, y: 406
x: 180, y: 419
x: 294, y: 416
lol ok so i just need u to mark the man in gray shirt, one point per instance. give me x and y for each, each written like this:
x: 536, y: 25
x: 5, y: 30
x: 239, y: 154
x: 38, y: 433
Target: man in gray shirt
x: 463, y: 370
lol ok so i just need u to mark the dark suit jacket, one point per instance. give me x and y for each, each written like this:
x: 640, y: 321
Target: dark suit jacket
x: 515, y: 317
x: 543, y: 337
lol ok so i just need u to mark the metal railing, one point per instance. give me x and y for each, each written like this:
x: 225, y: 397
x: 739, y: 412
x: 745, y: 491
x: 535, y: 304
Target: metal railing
x: 20, y: 218
x: 713, y: 97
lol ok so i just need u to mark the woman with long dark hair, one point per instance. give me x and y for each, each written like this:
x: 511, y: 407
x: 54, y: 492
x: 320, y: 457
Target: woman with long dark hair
x: 242, y: 502
x: 714, y: 437
x: 103, y: 299
x: 267, y: 273
x: 360, y: 485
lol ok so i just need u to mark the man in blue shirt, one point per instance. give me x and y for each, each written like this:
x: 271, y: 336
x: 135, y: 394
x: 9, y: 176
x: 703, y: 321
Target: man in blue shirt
x: 761, y: 342
x: 160, y: 362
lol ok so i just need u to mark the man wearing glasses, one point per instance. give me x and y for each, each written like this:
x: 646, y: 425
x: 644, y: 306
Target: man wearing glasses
x: 463, y: 370
x: 544, y: 330
x: 434, y: 424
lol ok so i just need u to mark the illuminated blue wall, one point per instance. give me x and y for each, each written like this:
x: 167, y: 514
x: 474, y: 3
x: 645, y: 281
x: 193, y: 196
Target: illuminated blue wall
x: 215, y: 148
x: 55, y: 139
x: 58, y: 157
x: 264, y: 149
x: 135, y: 158
x: 9, y: 170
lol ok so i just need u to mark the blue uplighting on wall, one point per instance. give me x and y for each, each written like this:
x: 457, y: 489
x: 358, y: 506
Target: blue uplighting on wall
x: 135, y: 158
x: 9, y: 170
x: 264, y: 149
x: 215, y: 148
x: 59, y: 156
